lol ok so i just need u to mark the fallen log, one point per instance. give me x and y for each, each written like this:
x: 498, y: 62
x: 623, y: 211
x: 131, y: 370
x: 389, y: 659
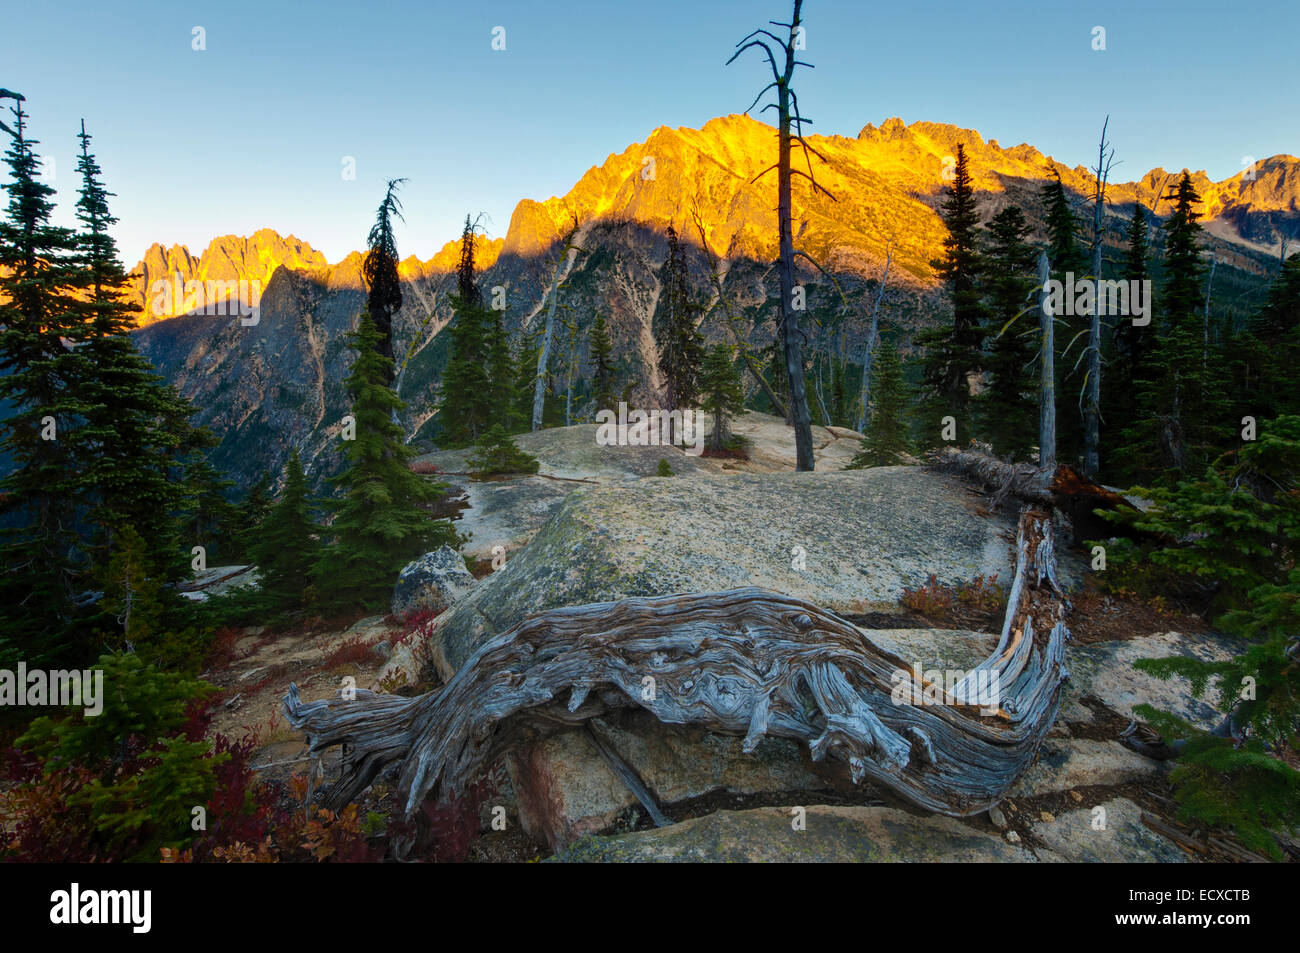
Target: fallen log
x: 745, y: 662
x: 1061, y: 487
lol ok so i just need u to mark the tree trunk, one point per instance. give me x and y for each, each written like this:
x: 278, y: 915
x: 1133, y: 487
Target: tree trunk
x: 791, y: 335
x: 1047, y: 372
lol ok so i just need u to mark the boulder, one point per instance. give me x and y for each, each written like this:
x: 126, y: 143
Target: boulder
x: 433, y: 582
x: 830, y: 835
x: 566, y: 789
x: 1067, y: 763
x: 1104, y: 670
x: 845, y: 540
x: 1116, y: 836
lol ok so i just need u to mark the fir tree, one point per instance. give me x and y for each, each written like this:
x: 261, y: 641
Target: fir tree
x: 887, y: 432
x: 681, y: 348
x: 475, y: 386
x: 1269, y: 351
x: 1010, y: 407
x: 1129, y: 343
x: 952, y: 352
x: 38, y: 546
x: 1234, y: 532
x: 379, y: 524
x: 722, y: 395
x: 249, y: 514
x: 133, y: 425
x: 379, y: 270
x: 1178, y: 419
x: 496, y: 452
x: 287, y: 546
x: 602, y: 365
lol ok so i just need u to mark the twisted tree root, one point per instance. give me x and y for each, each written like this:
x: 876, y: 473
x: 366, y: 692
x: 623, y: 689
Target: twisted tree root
x: 745, y: 662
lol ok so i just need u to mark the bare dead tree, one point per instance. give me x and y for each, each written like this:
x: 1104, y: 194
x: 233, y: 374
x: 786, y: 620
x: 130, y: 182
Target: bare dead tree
x: 1092, y: 379
x: 10, y: 94
x: 1047, y: 370
x: 787, y: 107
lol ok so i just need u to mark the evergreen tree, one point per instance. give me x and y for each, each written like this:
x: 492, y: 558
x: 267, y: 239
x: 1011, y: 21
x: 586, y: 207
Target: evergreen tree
x: 602, y: 365
x: 1179, y: 416
x: 38, y: 544
x: 249, y: 514
x: 475, y: 387
x: 1234, y: 531
x: 384, y: 288
x: 722, y: 397
x: 1065, y: 257
x: 1269, y: 351
x: 379, y: 524
x: 132, y: 424
x: 887, y: 437
x: 1010, y: 405
x: 1129, y: 343
x: 953, y: 352
x: 681, y: 348
x: 496, y: 452
x: 287, y: 546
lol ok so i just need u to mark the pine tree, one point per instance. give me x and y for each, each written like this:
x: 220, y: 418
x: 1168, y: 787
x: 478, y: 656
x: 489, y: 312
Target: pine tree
x: 496, y: 452
x: 681, y: 348
x: 1234, y: 532
x: 1009, y: 405
x: 1129, y: 345
x: 38, y: 545
x: 379, y: 525
x: 379, y: 270
x: 953, y: 352
x: 887, y: 432
x: 1065, y: 257
x: 287, y: 546
x: 249, y: 514
x: 722, y: 396
x: 1272, y: 346
x: 1178, y: 420
x: 603, y: 382
x: 474, y: 389
x: 132, y: 423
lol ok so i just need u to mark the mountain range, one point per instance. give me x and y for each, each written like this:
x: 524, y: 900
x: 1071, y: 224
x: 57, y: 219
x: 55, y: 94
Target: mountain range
x: 277, y: 384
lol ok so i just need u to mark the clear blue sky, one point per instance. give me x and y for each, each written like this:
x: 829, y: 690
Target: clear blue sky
x: 252, y: 131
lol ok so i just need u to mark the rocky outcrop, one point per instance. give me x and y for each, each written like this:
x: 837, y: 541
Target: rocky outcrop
x: 829, y: 834
x: 1104, y: 671
x: 1111, y: 832
x: 432, y: 583
x: 843, y: 540
x: 508, y: 512
x: 565, y: 789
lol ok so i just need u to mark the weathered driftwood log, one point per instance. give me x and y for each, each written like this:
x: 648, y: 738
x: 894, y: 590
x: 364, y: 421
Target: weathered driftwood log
x: 743, y: 662
x: 1062, y: 487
